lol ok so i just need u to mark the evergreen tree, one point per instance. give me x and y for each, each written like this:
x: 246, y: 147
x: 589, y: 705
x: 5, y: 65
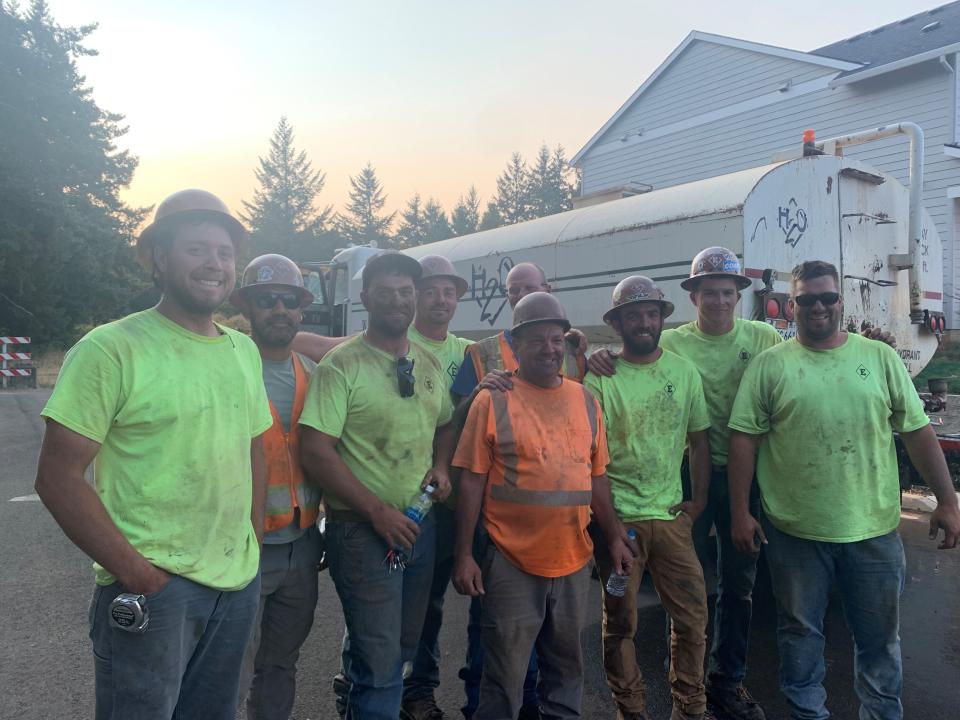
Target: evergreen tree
x: 66, y: 255
x: 512, y: 199
x: 465, y: 218
x: 549, y: 190
x: 413, y: 227
x: 364, y: 222
x: 491, y: 217
x: 436, y: 222
x: 282, y: 216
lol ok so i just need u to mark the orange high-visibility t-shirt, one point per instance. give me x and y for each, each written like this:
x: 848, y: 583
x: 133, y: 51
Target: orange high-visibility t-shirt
x: 540, y: 449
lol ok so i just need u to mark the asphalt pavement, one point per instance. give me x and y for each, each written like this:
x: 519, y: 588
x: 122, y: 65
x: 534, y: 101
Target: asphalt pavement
x: 46, y: 668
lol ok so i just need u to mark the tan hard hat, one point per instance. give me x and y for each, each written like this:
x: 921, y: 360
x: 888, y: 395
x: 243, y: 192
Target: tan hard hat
x: 189, y: 204
x: 538, y: 307
x: 637, y: 289
x: 439, y: 266
x: 715, y: 262
x: 274, y: 270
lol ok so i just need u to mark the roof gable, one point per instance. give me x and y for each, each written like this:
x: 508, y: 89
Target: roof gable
x: 832, y: 63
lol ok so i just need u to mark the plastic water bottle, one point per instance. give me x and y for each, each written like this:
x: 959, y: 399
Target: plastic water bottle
x: 617, y: 583
x: 421, y: 505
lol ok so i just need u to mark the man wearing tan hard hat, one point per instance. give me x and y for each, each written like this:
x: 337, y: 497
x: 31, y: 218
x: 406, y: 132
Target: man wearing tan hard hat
x: 171, y: 408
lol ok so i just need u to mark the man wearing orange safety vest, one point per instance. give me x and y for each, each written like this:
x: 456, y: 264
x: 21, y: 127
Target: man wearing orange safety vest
x: 271, y: 296
x: 534, y: 460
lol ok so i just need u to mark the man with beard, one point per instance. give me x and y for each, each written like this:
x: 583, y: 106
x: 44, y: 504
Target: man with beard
x: 372, y: 408
x: 652, y: 407
x: 171, y: 408
x: 533, y: 459
x: 271, y: 296
x: 823, y: 408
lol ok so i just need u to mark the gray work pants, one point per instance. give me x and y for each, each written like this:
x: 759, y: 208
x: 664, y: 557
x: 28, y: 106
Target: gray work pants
x: 288, y: 597
x: 522, y: 610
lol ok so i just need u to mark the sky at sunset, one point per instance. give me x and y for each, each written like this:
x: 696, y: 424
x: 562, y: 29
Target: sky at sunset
x: 436, y: 94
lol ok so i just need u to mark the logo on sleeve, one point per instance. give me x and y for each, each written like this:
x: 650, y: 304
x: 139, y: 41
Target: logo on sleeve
x: 744, y: 356
x: 863, y: 372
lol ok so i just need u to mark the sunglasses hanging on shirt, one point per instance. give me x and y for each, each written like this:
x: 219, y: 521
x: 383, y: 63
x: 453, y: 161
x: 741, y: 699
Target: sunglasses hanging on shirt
x: 405, y: 379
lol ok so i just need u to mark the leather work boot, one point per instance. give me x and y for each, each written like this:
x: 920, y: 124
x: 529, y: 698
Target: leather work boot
x: 421, y: 709
x: 678, y: 714
x: 630, y: 715
x: 734, y: 703
x: 529, y: 712
x: 341, y: 688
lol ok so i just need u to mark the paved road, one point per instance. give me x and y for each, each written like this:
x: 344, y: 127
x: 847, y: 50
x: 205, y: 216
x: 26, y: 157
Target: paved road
x: 46, y: 668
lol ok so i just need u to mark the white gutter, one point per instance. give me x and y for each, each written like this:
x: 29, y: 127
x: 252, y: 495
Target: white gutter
x: 912, y: 261
x: 897, y: 65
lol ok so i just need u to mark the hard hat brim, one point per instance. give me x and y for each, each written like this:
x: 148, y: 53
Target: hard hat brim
x: 742, y: 281
x: 458, y: 281
x: 148, y: 238
x: 565, y: 324
x: 239, y: 295
x: 666, y: 308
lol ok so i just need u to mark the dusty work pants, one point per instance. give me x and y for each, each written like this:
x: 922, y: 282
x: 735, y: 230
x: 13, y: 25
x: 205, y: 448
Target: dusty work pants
x: 666, y: 550
x: 521, y: 611
x: 288, y: 598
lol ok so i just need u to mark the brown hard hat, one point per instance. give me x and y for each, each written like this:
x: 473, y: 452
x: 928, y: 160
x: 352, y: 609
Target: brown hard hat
x: 189, y: 204
x: 715, y: 262
x: 274, y: 270
x: 439, y: 266
x: 637, y: 289
x: 538, y: 307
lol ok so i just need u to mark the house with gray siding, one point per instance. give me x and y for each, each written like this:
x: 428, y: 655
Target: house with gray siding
x: 718, y: 105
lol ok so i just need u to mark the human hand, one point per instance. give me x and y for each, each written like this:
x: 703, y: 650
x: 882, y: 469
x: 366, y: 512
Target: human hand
x: 875, y: 333
x: 690, y: 508
x: 947, y: 517
x: 744, y: 532
x: 603, y: 362
x: 467, y: 578
x: 439, y: 477
x: 396, y: 528
x: 499, y: 380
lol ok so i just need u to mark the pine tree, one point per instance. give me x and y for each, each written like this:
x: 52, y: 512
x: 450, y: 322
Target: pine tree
x: 413, y: 227
x: 363, y: 222
x: 282, y: 216
x: 549, y: 190
x: 436, y: 222
x: 66, y: 255
x: 512, y: 200
x: 465, y: 218
x: 491, y: 217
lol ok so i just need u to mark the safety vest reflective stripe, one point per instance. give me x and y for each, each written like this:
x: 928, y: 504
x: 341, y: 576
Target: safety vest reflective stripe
x: 510, y: 491
x: 287, y: 488
x: 495, y: 353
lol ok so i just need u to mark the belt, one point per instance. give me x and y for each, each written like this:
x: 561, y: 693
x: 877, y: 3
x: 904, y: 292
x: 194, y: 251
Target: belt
x: 345, y: 515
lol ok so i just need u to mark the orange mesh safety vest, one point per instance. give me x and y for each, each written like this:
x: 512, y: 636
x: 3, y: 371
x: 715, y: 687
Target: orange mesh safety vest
x: 495, y: 353
x: 287, y: 488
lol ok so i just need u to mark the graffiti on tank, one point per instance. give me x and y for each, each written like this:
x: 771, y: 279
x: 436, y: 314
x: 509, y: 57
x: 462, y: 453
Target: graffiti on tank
x: 489, y: 290
x: 792, y: 220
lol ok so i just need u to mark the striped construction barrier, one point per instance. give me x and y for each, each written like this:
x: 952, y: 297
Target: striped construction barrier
x: 14, y: 340
x: 16, y: 372
x: 14, y: 356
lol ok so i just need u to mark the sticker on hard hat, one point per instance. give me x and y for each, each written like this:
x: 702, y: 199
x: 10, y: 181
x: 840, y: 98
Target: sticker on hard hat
x: 731, y: 266
x: 264, y: 273
x: 636, y: 296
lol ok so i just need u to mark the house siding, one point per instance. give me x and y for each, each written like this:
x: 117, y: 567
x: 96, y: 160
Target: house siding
x: 924, y: 94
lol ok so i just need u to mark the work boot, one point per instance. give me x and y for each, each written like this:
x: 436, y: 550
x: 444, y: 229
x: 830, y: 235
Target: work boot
x: 421, y: 709
x: 529, y: 712
x: 632, y: 715
x: 734, y: 703
x: 341, y: 688
x: 678, y: 714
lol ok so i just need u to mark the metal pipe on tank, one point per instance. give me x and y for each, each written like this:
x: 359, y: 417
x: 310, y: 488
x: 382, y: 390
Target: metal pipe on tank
x: 915, y: 133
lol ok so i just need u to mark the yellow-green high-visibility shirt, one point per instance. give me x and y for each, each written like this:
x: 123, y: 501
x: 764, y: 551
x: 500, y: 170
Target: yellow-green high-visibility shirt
x: 648, y: 409
x: 174, y: 413
x: 827, y: 466
x: 449, y: 351
x: 721, y: 361
x: 386, y: 440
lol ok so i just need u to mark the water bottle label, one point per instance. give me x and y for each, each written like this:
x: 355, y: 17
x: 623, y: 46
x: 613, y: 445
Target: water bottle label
x: 414, y: 514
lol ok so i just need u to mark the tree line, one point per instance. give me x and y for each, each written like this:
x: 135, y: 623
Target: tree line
x: 66, y: 237
x: 285, y: 216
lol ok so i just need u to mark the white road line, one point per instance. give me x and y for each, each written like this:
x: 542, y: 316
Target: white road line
x: 26, y: 498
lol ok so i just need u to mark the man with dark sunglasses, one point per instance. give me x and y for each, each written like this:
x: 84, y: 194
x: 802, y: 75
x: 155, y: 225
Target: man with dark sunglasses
x: 369, y: 419
x: 271, y: 296
x: 822, y: 408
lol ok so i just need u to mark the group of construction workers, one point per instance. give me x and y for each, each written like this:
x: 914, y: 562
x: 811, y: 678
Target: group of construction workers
x: 215, y: 455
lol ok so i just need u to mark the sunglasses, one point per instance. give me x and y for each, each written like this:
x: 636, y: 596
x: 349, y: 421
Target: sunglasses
x: 267, y: 300
x: 810, y: 299
x: 405, y: 378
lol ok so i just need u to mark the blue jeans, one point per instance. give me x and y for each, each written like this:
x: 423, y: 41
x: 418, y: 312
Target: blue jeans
x: 736, y: 574
x: 186, y: 664
x: 383, y: 610
x: 472, y: 671
x: 424, y: 678
x: 869, y: 575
